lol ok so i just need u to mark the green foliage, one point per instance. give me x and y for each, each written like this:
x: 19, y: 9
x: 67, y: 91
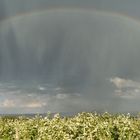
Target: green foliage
x: 83, y: 126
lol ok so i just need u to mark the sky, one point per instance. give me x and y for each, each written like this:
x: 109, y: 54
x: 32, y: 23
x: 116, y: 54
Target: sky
x: 69, y: 55
x: 13, y: 7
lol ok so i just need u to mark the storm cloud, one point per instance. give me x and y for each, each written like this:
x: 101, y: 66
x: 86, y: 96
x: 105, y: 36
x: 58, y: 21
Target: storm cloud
x: 77, y: 50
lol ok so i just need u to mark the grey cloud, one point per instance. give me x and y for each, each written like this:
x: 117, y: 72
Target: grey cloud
x: 124, y: 83
x: 74, y: 50
x: 126, y: 88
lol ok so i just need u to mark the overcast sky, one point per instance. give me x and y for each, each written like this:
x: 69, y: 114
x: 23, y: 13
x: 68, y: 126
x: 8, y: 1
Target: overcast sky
x: 89, y: 57
x: 13, y: 7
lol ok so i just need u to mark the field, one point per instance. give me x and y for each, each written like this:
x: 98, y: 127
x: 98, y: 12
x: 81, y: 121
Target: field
x: 83, y: 126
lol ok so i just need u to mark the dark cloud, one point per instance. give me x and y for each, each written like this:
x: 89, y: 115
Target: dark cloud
x: 76, y: 50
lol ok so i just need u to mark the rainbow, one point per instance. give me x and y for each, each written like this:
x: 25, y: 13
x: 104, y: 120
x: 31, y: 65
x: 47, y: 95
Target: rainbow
x: 89, y: 10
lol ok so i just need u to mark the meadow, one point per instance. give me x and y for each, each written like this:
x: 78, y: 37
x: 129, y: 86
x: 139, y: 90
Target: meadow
x: 82, y: 126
